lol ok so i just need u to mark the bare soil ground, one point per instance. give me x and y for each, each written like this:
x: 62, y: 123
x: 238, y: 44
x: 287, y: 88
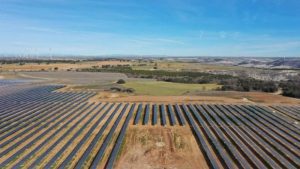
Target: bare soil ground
x: 78, y: 78
x: 10, y: 75
x: 160, y: 148
x: 207, y: 97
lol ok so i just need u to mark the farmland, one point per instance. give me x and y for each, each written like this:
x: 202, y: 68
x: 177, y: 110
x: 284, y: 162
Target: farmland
x: 44, y: 127
x: 46, y: 66
x: 158, y: 88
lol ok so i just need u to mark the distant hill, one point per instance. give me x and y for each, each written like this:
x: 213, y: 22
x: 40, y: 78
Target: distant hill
x: 254, y: 62
x: 291, y: 62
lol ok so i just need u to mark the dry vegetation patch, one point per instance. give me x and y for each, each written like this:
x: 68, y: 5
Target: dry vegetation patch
x: 60, y: 66
x: 160, y: 147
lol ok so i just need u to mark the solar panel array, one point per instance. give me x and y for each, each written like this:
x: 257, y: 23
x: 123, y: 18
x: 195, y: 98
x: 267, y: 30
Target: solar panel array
x: 51, y: 129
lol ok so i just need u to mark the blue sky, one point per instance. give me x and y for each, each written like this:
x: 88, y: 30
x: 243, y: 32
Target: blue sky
x: 151, y: 27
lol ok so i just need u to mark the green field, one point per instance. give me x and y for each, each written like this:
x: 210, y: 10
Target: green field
x: 159, y: 88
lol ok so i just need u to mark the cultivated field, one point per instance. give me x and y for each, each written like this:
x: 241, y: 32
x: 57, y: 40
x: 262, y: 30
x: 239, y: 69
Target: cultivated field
x: 45, y: 128
x: 60, y: 66
x: 159, y: 88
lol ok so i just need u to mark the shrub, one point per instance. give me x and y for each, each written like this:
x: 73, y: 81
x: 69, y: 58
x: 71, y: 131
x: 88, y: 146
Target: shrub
x: 116, y: 89
x: 121, y: 81
x: 129, y: 90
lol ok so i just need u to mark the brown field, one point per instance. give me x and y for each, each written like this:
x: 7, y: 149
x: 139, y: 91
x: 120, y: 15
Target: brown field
x: 60, y: 66
x: 186, y: 66
x: 160, y: 147
x: 205, y: 97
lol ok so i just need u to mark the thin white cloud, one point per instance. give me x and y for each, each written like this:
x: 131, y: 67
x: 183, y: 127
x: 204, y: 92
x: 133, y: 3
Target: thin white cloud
x: 42, y: 29
x: 157, y: 41
x: 222, y: 34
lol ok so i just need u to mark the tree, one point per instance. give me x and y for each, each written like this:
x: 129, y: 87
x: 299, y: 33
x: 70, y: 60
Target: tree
x: 115, y: 89
x: 121, y: 81
x: 155, y: 66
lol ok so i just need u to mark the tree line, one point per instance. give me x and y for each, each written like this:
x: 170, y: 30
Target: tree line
x: 291, y: 88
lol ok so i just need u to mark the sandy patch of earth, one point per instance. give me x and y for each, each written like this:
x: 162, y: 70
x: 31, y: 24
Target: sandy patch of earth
x: 213, y: 97
x: 160, y: 148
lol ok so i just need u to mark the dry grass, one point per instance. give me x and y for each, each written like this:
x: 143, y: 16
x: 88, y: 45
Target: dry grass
x: 60, y: 66
x: 206, y: 97
x: 178, y: 66
x: 156, y: 147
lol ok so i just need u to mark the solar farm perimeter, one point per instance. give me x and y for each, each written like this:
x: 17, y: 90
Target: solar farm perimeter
x: 41, y: 127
